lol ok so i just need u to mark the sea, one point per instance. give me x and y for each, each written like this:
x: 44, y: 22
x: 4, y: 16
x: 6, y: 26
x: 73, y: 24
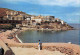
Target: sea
x: 32, y: 36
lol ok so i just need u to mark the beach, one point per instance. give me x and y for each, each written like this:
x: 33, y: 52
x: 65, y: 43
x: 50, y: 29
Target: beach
x: 16, y: 45
x: 33, y: 51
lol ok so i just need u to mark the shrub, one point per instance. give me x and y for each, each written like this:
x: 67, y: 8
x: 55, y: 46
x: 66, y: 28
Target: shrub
x: 8, y: 26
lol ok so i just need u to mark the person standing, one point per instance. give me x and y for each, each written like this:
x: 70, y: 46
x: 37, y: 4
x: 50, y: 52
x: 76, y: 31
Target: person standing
x: 39, y: 45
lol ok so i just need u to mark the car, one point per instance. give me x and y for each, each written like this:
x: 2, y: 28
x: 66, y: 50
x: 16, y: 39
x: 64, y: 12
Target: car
x: 10, y: 37
x: 1, y: 51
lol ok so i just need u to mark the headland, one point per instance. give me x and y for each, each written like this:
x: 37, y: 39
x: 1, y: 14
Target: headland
x: 13, y: 22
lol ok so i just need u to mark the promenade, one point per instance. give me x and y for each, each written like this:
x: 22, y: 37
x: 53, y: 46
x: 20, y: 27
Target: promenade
x: 33, y: 51
x: 70, y: 49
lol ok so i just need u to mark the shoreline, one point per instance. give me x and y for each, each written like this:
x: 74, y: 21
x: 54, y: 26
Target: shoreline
x: 15, y: 33
x: 16, y: 40
x: 67, y: 48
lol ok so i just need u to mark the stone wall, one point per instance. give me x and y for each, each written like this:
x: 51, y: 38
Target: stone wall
x: 7, y: 50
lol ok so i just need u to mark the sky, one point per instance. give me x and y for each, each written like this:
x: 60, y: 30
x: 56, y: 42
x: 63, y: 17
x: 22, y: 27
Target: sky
x: 67, y: 10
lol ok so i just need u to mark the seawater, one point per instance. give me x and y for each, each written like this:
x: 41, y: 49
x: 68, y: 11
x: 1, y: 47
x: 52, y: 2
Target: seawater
x: 72, y: 36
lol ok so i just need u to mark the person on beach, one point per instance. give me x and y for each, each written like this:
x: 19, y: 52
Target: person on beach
x: 39, y: 45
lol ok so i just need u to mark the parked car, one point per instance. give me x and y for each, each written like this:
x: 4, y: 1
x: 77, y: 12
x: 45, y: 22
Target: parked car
x: 10, y: 37
x: 1, y: 51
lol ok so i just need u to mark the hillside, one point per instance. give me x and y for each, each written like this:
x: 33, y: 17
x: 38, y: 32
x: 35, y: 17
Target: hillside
x: 3, y: 12
x: 41, y: 22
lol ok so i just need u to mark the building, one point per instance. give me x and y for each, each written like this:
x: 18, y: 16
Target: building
x: 24, y: 23
x: 49, y: 18
x: 37, y: 19
x: 18, y: 17
x: 62, y: 22
x: 15, y: 17
x: 28, y: 18
x: 33, y: 22
x: 57, y: 19
x: 12, y: 13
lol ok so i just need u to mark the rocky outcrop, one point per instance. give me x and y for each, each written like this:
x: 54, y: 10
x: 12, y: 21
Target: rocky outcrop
x: 55, y: 26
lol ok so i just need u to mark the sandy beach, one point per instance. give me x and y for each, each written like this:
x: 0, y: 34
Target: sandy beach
x: 32, y: 51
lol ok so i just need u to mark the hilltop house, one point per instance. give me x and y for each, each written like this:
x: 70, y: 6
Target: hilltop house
x: 49, y: 18
x: 37, y: 19
x: 11, y: 13
x: 28, y: 18
x: 62, y: 22
x: 15, y: 17
x: 59, y: 20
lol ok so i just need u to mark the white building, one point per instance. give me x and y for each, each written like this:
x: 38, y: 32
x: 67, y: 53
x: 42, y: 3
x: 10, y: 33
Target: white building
x: 62, y: 22
x: 28, y: 18
x: 58, y: 20
x: 37, y: 20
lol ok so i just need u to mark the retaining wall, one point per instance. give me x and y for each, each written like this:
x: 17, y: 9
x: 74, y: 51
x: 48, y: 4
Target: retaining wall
x: 7, y: 50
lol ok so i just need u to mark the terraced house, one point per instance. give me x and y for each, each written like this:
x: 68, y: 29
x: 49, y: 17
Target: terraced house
x: 13, y: 15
